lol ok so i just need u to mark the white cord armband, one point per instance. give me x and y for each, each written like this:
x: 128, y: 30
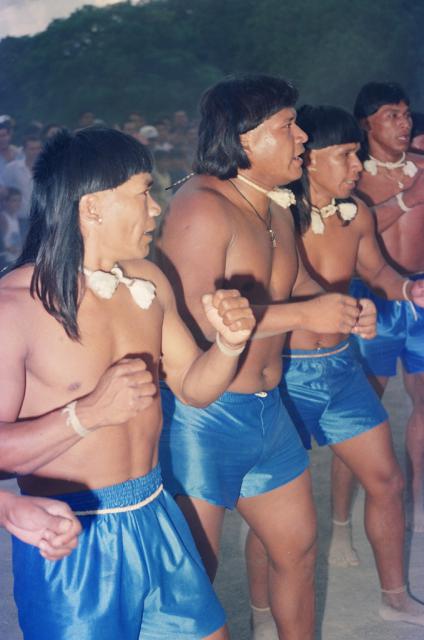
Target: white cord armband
x: 404, y: 291
x: 227, y: 350
x: 401, y: 202
x: 73, y: 421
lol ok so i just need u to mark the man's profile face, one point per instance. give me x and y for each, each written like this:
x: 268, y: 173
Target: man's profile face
x: 274, y: 148
x: 389, y: 128
x: 334, y: 170
x: 128, y: 213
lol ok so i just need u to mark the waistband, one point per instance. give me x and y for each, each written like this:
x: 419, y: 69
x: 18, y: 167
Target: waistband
x: 321, y: 352
x: 231, y: 397
x: 126, y: 496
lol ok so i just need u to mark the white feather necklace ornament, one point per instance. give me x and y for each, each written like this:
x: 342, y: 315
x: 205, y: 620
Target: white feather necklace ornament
x: 105, y: 283
x: 347, y: 211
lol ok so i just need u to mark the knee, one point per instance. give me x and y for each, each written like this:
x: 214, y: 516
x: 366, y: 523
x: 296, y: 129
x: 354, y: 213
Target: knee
x: 297, y: 551
x: 388, y: 486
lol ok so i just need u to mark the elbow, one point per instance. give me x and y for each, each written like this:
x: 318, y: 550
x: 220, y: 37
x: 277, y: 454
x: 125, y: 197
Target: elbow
x: 197, y: 403
x: 10, y: 466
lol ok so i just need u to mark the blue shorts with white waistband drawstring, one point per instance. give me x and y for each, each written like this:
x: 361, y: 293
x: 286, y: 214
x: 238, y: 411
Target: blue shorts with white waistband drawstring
x: 241, y: 445
x: 135, y: 574
x: 328, y: 395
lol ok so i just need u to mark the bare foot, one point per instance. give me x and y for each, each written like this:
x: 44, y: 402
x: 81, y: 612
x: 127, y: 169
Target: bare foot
x: 402, y: 607
x: 341, y: 552
x: 263, y: 626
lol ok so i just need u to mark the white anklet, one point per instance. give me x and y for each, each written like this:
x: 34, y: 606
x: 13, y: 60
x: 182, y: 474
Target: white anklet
x: 73, y: 421
x: 262, y: 610
x: 341, y: 524
x: 401, y: 589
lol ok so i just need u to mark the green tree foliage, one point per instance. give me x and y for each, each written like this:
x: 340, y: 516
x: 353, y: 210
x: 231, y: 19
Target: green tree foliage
x: 158, y: 56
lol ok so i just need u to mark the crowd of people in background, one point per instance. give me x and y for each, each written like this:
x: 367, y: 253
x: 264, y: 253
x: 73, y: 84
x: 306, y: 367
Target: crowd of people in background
x: 171, y: 141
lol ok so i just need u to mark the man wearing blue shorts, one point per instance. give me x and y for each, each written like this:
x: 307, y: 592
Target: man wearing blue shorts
x: 229, y: 224
x: 323, y: 386
x: 393, y: 176
x: 84, y: 323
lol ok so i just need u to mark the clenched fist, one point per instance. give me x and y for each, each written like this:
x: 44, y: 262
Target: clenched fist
x: 366, y: 324
x: 230, y: 314
x: 125, y: 389
x: 331, y: 313
x: 47, y: 524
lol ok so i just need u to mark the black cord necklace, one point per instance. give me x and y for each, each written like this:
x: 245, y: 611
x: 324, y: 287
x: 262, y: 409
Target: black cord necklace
x: 267, y: 222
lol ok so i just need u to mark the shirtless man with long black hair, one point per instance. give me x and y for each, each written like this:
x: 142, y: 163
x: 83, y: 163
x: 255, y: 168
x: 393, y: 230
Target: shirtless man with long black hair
x: 85, y: 322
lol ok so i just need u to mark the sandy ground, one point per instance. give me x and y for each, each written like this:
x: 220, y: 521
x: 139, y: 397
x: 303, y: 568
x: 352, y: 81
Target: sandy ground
x: 347, y: 599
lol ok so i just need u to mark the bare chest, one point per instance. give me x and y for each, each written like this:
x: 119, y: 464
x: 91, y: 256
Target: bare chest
x: 59, y: 368
x: 262, y: 263
x: 330, y: 258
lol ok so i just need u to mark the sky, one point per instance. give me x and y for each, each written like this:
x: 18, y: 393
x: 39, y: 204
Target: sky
x: 26, y: 17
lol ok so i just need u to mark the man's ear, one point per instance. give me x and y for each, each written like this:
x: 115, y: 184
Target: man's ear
x: 364, y: 124
x: 245, y: 141
x: 89, y: 209
x: 310, y: 160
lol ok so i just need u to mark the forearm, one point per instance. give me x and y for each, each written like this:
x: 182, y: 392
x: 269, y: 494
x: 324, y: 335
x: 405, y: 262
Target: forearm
x: 208, y: 377
x: 391, y: 210
x: 388, y: 212
x: 28, y: 445
x: 275, y: 319
x: 387, y: 281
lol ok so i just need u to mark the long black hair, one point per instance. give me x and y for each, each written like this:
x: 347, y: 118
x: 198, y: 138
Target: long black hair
x: 70, y: 166
x: 325, y: 126
x: 230, y: 108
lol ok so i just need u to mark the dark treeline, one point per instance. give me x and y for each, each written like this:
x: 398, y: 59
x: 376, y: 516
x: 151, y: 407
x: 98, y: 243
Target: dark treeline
x: 158, y: 56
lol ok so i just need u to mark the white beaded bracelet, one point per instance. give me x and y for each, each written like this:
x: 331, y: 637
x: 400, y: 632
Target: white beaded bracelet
x: 227, y: 350
x: 401, y: 202
x: 73, y: 421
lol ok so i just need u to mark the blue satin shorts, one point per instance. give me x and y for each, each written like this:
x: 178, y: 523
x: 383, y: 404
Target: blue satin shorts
x: 135, y: 574
x: 241, y: 445
x: 400, y: 334
x: 328, y: 395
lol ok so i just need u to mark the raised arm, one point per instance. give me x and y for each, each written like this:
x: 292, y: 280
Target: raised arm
x: 389, y: 211
x: 374, y: 269
x: 196, y: 377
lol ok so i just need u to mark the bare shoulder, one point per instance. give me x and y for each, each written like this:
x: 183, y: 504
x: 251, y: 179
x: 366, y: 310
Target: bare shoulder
x: 364, y: 217
x: 202, y: 201
x: 15, y: 285
x: 16, y: 303
x: 417, y: 158
x: 363, y: 208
